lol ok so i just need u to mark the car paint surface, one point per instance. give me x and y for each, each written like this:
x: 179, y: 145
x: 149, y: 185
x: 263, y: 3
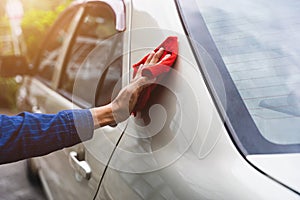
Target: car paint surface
x: 281, y: 167
x: 150, y: 168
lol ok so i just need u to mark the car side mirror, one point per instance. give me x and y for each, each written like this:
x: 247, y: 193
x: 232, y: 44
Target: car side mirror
x: 11, y: 66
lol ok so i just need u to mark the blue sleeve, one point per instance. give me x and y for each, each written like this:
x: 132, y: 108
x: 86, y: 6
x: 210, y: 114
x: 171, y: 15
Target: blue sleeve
x: 28, y: 135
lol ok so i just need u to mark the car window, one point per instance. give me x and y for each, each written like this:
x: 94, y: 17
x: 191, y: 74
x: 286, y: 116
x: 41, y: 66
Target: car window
x: 51, y: 48
x: 257, y: 56
x: 262, y: 61
x: 93, y: 64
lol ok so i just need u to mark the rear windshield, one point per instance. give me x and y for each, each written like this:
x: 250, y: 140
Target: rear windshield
x: 259, y: 44
x: 248, y: 52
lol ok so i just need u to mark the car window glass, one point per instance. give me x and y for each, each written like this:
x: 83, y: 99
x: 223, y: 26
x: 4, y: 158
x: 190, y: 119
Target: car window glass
x: 93, y: 60
x: 52, y: 45
x: 263, y: 63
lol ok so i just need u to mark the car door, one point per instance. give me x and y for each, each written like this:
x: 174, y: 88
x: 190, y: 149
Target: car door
x: 160, y: 142
x: 178, y: 147
x: 86, y: 72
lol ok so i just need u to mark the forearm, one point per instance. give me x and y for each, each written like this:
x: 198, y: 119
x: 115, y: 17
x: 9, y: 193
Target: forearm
x: 27, y: 135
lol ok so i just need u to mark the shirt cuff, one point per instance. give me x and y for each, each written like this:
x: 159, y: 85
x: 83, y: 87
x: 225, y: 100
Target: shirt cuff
x: 84, y: 123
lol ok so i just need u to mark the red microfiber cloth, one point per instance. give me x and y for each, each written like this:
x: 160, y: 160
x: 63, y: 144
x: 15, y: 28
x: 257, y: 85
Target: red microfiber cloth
x: 159, y: 71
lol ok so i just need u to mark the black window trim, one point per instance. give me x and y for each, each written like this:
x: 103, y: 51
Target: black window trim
x: 244, y: 132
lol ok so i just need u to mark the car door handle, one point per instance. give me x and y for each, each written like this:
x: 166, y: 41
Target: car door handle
x: 80, y: 167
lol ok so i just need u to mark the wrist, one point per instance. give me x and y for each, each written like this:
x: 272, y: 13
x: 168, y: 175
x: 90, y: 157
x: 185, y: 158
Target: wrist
x: 102, y: 116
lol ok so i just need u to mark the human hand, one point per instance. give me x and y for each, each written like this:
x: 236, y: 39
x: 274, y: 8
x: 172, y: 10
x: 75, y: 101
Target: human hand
x: 122, y: 106
x: 124, y: 103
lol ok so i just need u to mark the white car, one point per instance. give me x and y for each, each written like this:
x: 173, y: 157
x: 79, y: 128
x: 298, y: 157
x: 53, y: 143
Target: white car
x: 224, y: 124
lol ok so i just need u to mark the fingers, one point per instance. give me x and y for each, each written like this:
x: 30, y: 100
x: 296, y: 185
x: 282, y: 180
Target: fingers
x: 156, y: 56
x: 151, y: 54
x: 152, y: 59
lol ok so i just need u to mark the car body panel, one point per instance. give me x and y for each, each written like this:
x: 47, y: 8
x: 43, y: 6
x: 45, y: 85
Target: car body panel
x: 194, y: 178
x: 160, y: 158
x: 282, y: 167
